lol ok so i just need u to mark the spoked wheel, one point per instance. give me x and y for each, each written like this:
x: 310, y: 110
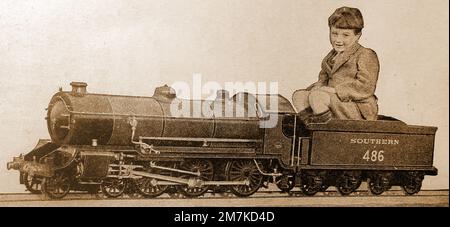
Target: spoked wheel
x: 286, y: 183
x: 412, y: 183
x: 151, y: 187
x: 32, y: 183
x: 311, y: 184
x: 194, y: 188
x: 57, y: 186
x: 244, y: 170
x: 113, y: 187
x: 348, y: 183
x: 378, y: 184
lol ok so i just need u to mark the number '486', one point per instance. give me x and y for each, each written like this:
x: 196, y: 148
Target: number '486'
x: 374, y: 156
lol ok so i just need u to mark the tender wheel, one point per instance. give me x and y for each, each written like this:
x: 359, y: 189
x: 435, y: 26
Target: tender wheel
x: 56, y: 187
x: 113, y: 187
x: 348, y: 183
x: 286, y: 183
x: 378, y: 184
x: 194, y: 189
x: 375, y: 187
x: 33, y: 184
x: 244, y: 170
x: 413, y: 183
x: 311, y: 184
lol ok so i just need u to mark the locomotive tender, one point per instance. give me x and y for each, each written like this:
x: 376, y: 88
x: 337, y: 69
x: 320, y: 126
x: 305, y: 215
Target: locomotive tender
x: 126, y: 143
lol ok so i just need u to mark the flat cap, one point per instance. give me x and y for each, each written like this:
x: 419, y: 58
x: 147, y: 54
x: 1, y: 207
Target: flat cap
x: 346, y: 18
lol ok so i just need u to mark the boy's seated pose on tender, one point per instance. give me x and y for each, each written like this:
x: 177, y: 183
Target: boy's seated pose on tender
x: 348, y: 78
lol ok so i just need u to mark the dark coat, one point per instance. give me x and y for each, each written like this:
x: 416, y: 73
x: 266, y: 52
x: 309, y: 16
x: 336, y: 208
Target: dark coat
x: 354, y: 76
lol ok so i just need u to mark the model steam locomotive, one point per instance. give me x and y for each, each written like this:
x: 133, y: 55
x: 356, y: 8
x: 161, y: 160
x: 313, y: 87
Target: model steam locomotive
x: 116, y: 143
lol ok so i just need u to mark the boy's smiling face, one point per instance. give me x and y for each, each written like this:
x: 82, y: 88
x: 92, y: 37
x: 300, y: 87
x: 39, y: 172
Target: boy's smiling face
x: 342, y: 39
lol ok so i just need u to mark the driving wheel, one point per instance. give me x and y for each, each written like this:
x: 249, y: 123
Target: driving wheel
x: 244, y: 170
x: 194, y: 187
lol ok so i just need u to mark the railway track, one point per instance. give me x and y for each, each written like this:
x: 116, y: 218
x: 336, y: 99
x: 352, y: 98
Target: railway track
x: 264, y: 197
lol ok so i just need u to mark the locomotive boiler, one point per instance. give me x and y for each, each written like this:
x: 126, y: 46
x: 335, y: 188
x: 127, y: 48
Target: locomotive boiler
x: 163, y: 144
x: 78, y: 117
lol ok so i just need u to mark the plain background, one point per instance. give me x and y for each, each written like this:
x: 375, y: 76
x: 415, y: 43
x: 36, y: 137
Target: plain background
x: 131, y: 47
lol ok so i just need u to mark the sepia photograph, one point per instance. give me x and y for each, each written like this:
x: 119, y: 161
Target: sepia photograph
x: 224, y: 103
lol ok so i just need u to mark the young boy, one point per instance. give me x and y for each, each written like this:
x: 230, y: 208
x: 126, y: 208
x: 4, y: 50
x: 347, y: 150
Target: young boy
x: 348, y: 78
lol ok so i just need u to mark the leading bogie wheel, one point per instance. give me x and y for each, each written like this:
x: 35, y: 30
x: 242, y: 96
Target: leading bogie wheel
x: 32, y: 183
x: 57, y: 186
